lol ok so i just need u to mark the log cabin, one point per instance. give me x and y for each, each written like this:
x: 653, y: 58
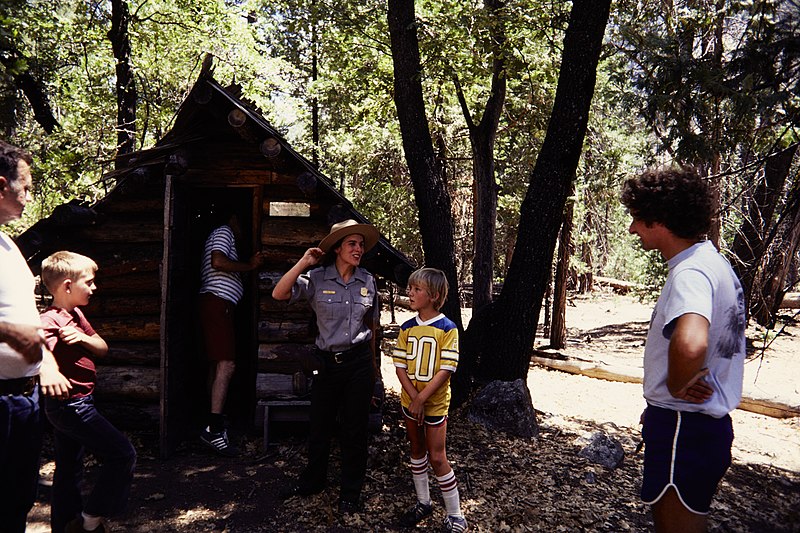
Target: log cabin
x: 146, y: 235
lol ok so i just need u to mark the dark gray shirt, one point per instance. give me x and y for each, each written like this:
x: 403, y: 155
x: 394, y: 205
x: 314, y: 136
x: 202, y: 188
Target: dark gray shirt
x: 341, y: 307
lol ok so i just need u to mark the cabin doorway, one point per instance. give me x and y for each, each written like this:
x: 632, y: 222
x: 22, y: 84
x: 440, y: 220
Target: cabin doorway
x: 196, y: 211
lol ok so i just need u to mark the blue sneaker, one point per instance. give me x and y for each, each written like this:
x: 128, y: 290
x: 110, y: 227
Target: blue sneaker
x: 456, y: 524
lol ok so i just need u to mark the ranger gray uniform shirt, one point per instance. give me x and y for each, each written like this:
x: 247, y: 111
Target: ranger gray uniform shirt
x: 340, y: 307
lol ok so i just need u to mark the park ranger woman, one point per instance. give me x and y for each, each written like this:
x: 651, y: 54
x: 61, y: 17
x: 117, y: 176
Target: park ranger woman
x: 344, y: 297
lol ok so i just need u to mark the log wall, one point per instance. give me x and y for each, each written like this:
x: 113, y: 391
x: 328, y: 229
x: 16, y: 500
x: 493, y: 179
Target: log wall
x: 126, y: 242
x: 286, y: 332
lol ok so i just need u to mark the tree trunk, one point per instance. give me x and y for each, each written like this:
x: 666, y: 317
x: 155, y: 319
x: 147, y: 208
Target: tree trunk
x: 548, y: 305
x: 32, y: 88
x: 770, y: 286
x: 482, y: 138
x: 586, y: 278
x: 430, y: 190
x: 427, y: 176
x: 558, y: 324
x: 714, y: 189
x: 716, y: 127
x: 36, y: 96
x: 752, y: 238
x: 126, y: 81
x: 314, y: 76
x: 502, y: 333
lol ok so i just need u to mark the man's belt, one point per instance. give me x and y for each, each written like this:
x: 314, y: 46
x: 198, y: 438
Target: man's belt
x: 18, y: 386
x: 343, y: 356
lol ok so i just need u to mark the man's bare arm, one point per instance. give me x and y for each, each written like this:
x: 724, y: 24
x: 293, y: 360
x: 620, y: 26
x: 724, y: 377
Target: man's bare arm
x: 687, y: 353
x: 25, y: 339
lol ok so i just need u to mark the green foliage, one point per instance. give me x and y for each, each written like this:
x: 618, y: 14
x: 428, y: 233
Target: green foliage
x: 661, y: 96
x: 71, y: 57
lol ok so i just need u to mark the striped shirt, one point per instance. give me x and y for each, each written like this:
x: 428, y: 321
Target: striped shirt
x: 225, y: 285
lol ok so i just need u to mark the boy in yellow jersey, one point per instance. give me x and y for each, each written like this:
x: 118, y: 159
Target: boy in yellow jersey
x: 425, y: 357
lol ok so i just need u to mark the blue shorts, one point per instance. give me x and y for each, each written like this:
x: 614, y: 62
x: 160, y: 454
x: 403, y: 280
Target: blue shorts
x: 429, y: 420
x: 687, y: 451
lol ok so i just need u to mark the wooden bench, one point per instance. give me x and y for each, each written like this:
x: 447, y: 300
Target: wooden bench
x: 283, y: 411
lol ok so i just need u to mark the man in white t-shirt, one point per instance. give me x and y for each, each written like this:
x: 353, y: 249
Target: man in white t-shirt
x: 220, y: 290
x: 695, y: 351
x: 25, y: 364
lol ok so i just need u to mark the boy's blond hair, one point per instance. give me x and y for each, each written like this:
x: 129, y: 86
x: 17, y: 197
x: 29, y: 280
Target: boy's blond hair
x: 62, y: 265
x: 432, y: 280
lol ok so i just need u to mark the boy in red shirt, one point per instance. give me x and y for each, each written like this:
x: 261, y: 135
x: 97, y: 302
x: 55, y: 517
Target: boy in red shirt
x: 78, y: 426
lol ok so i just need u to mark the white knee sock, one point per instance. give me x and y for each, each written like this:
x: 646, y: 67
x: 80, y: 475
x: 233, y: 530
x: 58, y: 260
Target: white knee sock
x: 449, y: 488
x: 419, y: 472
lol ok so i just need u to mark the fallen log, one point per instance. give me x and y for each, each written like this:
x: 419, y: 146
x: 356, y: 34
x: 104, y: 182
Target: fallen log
x: 619, y: 286
x: 589, y: 369
x: 791, y: 300
x: 627, y: 374
x: 399, y: 301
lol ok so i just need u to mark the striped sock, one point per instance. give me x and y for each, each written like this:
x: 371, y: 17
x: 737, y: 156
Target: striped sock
x: 449, y: 488
x: 419, y: 472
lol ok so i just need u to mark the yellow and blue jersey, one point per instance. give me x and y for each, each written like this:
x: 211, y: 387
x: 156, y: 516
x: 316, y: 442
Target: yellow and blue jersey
x: 423, y: 349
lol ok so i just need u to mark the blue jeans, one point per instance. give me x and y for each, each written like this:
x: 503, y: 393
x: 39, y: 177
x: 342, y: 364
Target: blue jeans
x: 78, y: 427
x: 20, y: 443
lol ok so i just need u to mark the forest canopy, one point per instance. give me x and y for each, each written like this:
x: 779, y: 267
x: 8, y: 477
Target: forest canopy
x: 710, y: 83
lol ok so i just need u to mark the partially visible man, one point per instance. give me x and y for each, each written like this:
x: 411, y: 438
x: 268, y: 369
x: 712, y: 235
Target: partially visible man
x: 695, y: 351
x: 221, y: 289
x: 22, y: 355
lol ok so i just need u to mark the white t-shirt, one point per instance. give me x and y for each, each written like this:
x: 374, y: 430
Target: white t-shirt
x: 226, y: 285
x: 700, y: 281
x: 17, y: 305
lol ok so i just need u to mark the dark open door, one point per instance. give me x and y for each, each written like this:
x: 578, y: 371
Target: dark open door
x: 188, y: 219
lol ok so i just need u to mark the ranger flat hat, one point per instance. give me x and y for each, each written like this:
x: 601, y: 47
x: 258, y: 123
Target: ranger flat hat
x: 340, y: 230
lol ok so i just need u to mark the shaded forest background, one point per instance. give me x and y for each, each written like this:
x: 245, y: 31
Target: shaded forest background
x: 452, y: 121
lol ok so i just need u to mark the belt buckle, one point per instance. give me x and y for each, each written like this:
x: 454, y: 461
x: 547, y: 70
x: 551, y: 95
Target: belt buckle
x: 30, y: 386
x: 337, y: 357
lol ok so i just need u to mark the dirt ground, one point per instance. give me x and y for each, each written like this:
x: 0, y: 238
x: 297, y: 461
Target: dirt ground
x: 506, y: 484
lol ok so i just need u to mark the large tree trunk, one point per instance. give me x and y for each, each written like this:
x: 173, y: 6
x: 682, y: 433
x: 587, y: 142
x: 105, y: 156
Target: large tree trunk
x: 752, y: 238
x: 126, y: 81
x: 482, y: 138
x: 427, y: 176
x: 503, y: 332
x: 430, y: 190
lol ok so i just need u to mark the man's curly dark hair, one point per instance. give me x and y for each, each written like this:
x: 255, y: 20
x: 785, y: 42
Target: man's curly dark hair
x: 678, y: 198
x: 10, y: 157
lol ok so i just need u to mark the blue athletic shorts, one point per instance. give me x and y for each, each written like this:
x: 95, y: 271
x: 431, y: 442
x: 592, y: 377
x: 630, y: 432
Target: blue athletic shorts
x: 429, y: 420
x: 687, y: 451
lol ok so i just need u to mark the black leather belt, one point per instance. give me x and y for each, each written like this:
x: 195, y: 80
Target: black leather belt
x: 18, y: 386
x: 351, y: 354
